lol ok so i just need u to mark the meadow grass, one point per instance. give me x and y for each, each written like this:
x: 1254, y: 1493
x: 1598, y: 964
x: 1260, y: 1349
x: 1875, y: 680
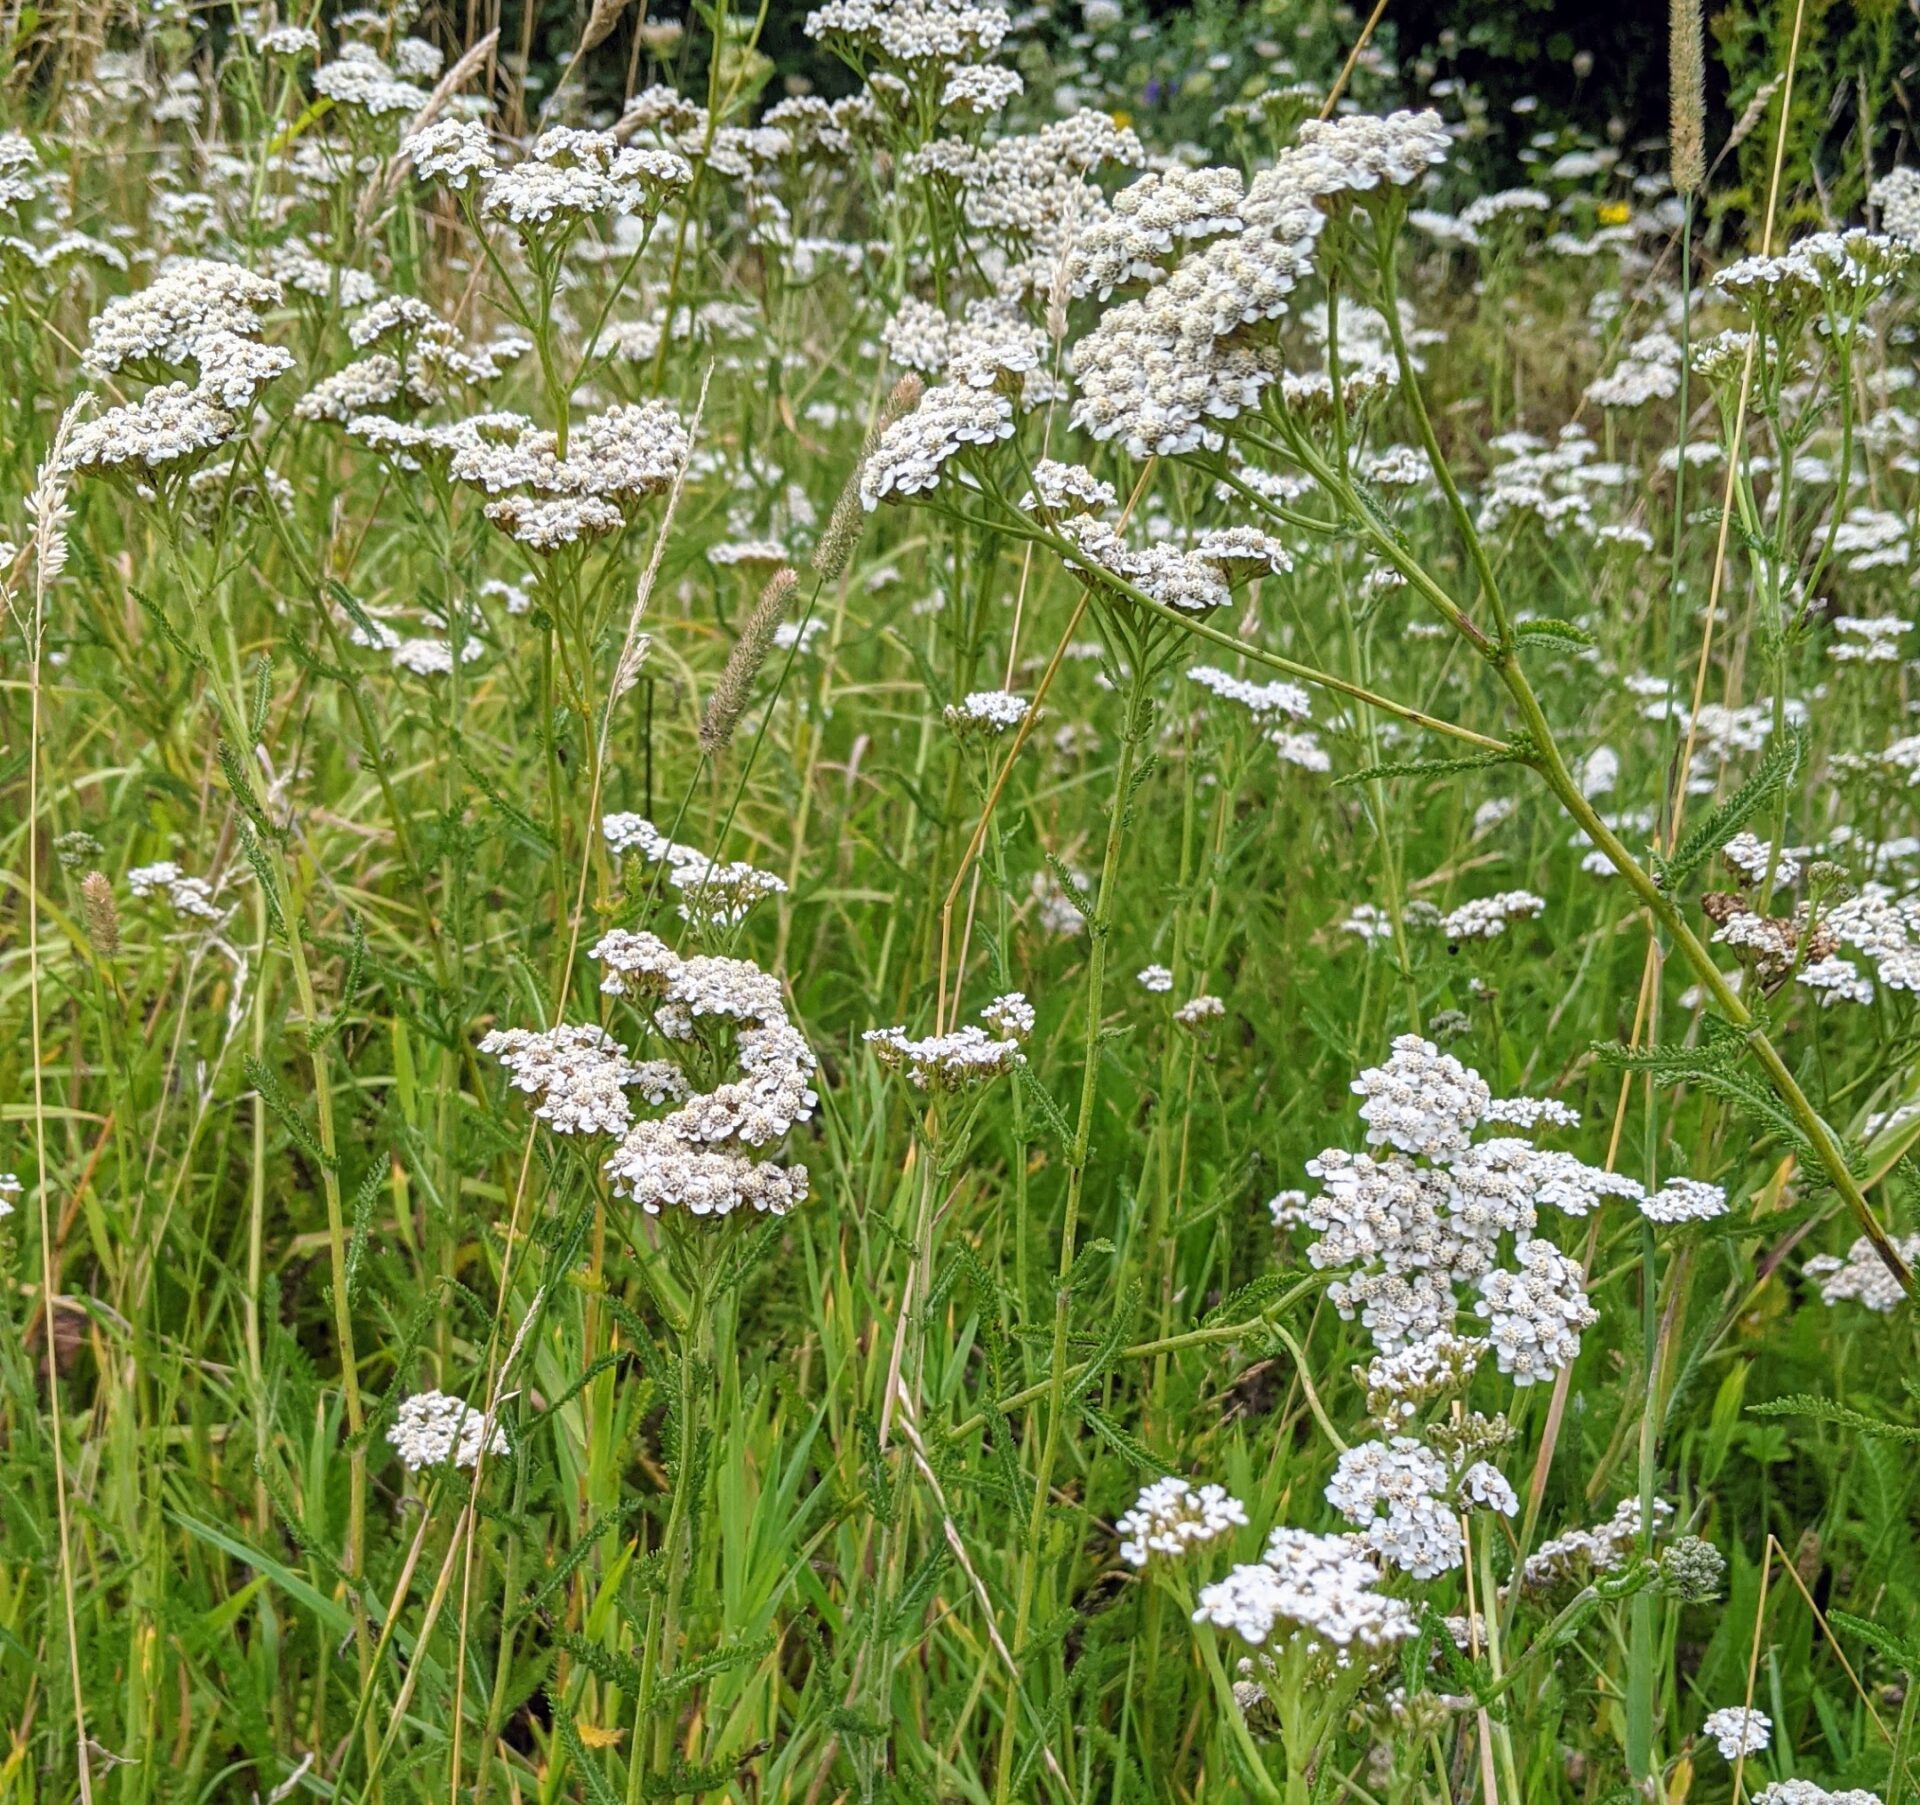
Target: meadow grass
x: 701, y: 833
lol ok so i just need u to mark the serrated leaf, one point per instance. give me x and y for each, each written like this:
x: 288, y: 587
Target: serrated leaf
x: 1124, y: 1442
x: 1518, y: 752
x: 1825, y: 1410
x: 1876, y: 1635
x: 1119, y: 1327
x: 1779, y: 764
x: 1563, y: 632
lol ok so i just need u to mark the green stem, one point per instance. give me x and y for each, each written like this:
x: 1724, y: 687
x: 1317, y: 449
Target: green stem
x: 1100, y: 928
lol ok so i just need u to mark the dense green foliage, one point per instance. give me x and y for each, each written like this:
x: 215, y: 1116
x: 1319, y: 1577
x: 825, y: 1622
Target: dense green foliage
x: 821, y: 1505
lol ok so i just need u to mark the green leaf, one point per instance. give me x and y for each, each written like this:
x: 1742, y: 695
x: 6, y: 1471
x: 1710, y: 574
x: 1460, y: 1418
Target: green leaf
x: 575, y: 1557
x: 603, y: 1663
x: 1250, y: 1300
x: 262, y: 698
x: 598, y: 1791
x: 722, y: 1660
x: 1518, y: 751
x: 364, y: 1199
x: 331, y: 1616
x: 1119, y: 1328
x: 1050, y: 1111
x: 1825, y: 1410
x: 1897, y: 1648
x: 1559, y: 632
x: 1779, y: 765
x: 1124, y: 1442
x: 280, y: 1106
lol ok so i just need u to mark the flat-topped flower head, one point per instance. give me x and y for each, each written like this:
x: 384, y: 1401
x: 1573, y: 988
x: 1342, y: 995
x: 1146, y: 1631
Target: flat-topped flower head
x: 581, y: 1075
x: 1200, y: 1013
x: 159, y: 326
x: 1062, y: 489
x: 432, y: 1429
x: 961, y: 1060
x: 1486, y: 917
x: 1422, y: 1100
x: 570, y: 176
x: 987, y: 713
x: 1171, y: 1517
x: 1805, y: 1792
x: 1266, y: 702
x: 1400, y: 1385
x: 913, y: 452
x: 1395, y: 1493
x: 1862, y: 1276
x: 1011, y: 1015
x: 1319, y: 1588
x: 1535, y: 1316
x: 452, y: 151
x: 1739, y: 1731
x: 1685, y: 1200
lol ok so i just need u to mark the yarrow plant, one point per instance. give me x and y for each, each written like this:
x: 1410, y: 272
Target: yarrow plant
x: 1039, y: 926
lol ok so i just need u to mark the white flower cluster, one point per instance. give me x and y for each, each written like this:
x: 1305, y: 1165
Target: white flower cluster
x: 194, y: 314
x: 1199, y: 1013
x: 964, y: 1058
x: 1836, y: 269
x: 1031, y: 188
x: 1266, y: 702
x: 713, y: 895
x: 1648, y: 370
x: 452, y: 151
x: 1805, y: 1792
x: 192, y: 896
x: 917, y: 35
x: 913, y: 451
x: 1171, y: 1516
x: 581, y: 1076
x: 1405, y: 1500
x: 1131, y: 239
x: 1884, y: 929
x: 987, y: 713
x: 1535, y: 1315
x: 420, y: 359
x: 1486, y: 917
x: 1739, y: 1730
x: 1897, y: 195
x: 1193, y: 581
x: 1865, y: 639
x: 1399, y: 1385
x: 432, y: 1429
x: 1485, y: 209
x: 1163, y: 373
x: 1684, y: 1200
x: 1749, y: 855
x: 1873, y: 539
x: 1862, y: 1277
x: 1060, y: 489
x: 699, y: 1157
x: 1156, y: 979
x: 1322, y: 1589
x: 425, y: 657
x: 1408, y: 1229
x: 613, y: 462
x: 290, y: 40
x: 567, y: 176
x: 1580, y: 1554
x: 1422, y: 1100
x: 359, y: 80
